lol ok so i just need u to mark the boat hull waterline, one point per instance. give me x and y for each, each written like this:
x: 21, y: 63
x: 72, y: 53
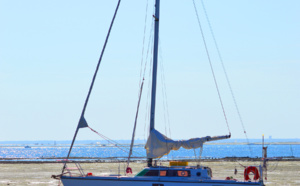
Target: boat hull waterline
x: 129, y: 181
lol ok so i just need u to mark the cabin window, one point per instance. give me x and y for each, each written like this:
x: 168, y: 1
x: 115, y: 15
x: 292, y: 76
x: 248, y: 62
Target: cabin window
x: 163, y: 173
x: 183, y: 173
x: 178, y: 173
x: 168, y: 173
x: 172, y: 173
x: 152, y: 173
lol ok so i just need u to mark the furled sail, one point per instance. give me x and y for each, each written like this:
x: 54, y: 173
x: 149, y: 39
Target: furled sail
x: 158, y: 144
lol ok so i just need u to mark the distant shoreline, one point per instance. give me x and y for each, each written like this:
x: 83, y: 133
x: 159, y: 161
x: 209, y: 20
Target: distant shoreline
x: 138, y: 144
x: 97, y: 160
x: 257, y: 141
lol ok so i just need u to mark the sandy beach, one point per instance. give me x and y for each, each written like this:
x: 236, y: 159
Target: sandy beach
x: 280, y: 172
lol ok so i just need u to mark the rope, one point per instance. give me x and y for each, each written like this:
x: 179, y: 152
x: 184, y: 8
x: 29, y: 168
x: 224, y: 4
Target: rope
x: 143, y: 46
x: 198, y: 158
x: 164, y: 93
x: 200, y: 154
x: 164, y: 96
x: 241, y: 164
x: 92, y: 84
x: 135, y: 122
x: 147, y: 116
x: 150, y: 41
x: 195, y: 153
x: 211, y: 67
x: 112, y: 141
x: 107, y: 139
x: 226, y: 76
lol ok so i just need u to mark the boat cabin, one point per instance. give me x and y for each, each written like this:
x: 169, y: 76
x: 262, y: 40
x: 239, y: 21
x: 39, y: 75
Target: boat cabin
x: 192, y: 172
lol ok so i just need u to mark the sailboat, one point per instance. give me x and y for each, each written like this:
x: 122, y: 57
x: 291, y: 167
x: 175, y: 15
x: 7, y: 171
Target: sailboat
x: 158, y: 145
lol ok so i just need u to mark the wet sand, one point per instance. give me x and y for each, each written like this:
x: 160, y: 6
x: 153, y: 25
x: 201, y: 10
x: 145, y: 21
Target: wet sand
x: 280, y: 172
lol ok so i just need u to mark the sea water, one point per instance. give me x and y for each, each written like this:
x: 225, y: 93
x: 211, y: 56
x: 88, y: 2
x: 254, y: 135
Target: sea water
x: 45, y: 152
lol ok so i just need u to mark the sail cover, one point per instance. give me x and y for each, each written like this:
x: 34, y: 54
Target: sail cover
x: 158, y: 144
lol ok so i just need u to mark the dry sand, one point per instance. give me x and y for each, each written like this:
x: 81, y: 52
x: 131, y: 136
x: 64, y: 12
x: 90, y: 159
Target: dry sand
x: 281, y: 173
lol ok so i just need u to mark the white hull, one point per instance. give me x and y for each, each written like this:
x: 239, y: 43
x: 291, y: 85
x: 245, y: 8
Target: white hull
x: 142, y: 181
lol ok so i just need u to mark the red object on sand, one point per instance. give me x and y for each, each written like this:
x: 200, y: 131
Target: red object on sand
x: 129, y: 170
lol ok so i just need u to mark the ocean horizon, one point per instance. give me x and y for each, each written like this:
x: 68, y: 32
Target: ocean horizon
x: 139, y: 141
x: 46, y: 150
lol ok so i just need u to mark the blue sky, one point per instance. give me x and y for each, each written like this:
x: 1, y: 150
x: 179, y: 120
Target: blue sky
x: 49, y: 51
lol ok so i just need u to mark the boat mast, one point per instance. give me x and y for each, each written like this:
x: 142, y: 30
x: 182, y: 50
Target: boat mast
x: 154, y: 71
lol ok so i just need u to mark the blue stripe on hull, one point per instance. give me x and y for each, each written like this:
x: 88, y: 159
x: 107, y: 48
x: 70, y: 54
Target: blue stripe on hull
x: 129, y: 181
